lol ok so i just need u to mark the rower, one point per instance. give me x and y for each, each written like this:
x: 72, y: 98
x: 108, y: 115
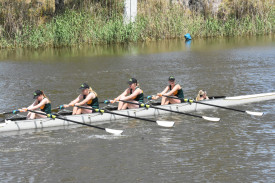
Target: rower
x: 172, y: 89
x: 202, y: 95
x: 132, y: 94
x: 41, y: 102
x: 88, y: 97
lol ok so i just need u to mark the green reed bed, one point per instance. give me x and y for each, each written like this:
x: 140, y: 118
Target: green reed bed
x: 156, y: 20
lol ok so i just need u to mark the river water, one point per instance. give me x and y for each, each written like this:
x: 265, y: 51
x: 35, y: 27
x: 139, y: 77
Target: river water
x: 240, y: 148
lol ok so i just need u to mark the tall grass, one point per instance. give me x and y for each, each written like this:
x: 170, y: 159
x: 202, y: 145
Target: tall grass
x: 101, y: 22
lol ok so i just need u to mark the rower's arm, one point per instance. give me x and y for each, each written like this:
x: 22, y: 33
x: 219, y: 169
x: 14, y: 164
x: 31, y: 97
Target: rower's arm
x: 43, y: 102
x: 133, y: 95
x: 89, y: 97
x: 122, y: 95
x: 24, y: 109
x: 33, y: 104
x: 72, y: 103
x: 177, y: 87
x: 163, y: 92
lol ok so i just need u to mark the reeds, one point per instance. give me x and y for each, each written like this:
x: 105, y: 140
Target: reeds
x: 101, y: 22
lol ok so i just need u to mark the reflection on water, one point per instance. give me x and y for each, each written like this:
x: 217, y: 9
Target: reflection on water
x: 116, y: 50
x: 240, y: 148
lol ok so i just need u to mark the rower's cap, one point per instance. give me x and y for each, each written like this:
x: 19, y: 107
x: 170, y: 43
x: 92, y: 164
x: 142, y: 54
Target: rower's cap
x: 131, y: 81
x: 171, y: 78
x: 84, y: 86
x: 37, y: 93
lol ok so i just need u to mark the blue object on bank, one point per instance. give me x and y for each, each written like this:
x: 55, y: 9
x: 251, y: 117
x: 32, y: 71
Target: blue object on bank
x: 187, y: 36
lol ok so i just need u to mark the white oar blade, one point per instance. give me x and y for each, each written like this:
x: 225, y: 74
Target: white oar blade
x: 210, y: 118
x: 255, y: 113
x: 115, y: 132
x: 165, y: 123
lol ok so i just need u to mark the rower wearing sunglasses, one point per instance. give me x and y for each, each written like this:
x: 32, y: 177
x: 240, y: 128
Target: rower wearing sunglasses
x: 202, y: 95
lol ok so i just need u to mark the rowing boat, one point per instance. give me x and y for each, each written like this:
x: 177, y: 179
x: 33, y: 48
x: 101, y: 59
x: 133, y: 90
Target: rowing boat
x: 98, y: 118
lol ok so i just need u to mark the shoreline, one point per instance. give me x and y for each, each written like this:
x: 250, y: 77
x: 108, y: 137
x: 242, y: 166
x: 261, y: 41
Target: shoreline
x: 117, y: 49
x: 75, y: 28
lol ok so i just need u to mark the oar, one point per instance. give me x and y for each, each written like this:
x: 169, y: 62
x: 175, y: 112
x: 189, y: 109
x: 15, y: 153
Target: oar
x: 228, y: 108
x: 160, y: 123
x: 18, y: 111
x: 55, y: 109
x: 115, y: 132
x: 11, y: 112
x: 160, y: 108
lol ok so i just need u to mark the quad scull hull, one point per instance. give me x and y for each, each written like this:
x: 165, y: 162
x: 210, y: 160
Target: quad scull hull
x: 97, y: 118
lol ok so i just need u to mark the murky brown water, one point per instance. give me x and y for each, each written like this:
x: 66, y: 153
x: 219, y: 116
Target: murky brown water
x: 240, y: 148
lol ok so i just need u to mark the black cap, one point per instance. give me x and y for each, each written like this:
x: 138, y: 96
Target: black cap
x: 131, y: 81
x: 84, y: 86
x: 171, y: 78
x: 37, y: 93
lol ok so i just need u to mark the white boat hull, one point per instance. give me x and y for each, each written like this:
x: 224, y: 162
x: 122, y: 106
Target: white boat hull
x: 97, y: 118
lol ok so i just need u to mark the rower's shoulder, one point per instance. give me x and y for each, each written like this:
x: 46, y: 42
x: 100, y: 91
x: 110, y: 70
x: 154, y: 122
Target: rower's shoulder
x: 91, y: 94
x: 178, y: 85
x: 138, y: 89
x: 46, y: 100
x: 80, y: 97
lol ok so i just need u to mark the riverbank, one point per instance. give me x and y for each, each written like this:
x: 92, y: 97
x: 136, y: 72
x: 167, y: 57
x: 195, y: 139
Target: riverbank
x: 95, y: 24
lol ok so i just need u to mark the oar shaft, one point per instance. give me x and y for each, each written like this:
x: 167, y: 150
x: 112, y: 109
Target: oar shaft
x: 4, y: 113
x: 176, y: 111
x: 163, y: 109
x: 11, y: 112
x: 238, y: 110
x: 73, y: 121
x: 81, y: 123
x: 134, y: 117
x: 18, y: 111
x: 232, y: 109
x: 118, y: 114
